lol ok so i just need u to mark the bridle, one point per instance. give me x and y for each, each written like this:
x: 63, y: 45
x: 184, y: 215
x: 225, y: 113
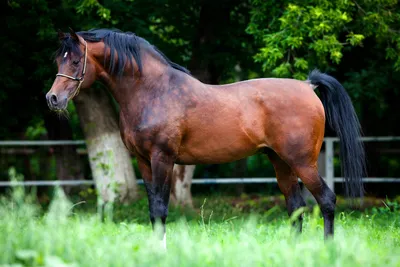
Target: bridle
x: 80, y: 79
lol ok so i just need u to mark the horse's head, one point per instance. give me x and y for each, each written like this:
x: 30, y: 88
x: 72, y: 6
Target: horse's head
x: 75, y: 70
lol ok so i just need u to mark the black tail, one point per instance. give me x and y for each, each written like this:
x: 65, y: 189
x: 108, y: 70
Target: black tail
x: 342, y: 118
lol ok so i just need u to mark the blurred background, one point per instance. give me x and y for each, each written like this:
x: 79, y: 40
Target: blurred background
x: 219, y: 41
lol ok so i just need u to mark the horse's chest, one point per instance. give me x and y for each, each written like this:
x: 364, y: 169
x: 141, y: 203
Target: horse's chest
x: 138, y: 139
x: 143, y: 134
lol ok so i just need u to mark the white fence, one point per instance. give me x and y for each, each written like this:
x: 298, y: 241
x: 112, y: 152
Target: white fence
x: 329, y: 156
x: 329, y: 168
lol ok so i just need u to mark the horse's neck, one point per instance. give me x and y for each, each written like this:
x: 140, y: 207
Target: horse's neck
x: 133, y: 89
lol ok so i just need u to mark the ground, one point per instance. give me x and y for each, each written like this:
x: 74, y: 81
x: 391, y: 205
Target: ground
x: 223, y: 231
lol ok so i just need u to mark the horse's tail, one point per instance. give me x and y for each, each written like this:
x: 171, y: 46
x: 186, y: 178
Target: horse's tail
x: 342, y: 118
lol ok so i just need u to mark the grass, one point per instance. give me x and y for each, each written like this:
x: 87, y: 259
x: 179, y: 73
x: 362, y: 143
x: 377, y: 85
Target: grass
x: 215, y: 235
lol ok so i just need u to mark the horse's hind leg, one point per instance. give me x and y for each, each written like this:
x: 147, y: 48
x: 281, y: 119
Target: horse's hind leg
x: 323, y: 194
x: 288, y: 184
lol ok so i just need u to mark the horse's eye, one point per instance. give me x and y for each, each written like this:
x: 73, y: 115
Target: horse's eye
x: 75, y: 62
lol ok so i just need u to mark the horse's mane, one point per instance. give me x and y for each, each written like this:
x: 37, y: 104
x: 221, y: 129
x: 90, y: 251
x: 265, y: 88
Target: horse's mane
x: 124, y: 44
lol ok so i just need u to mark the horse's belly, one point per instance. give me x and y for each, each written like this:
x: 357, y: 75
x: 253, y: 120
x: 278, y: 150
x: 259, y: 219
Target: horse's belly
x: 214, y: 149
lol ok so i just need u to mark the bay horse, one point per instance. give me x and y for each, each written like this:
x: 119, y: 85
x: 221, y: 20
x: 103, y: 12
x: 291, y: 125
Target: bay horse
x: 167, y: 116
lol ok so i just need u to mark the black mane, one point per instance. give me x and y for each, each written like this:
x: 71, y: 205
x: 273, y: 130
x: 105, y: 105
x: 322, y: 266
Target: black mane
x: 124, y: 44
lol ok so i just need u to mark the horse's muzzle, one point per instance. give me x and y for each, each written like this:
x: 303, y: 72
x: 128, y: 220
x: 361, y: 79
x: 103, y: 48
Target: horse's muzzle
x: 55, y: 102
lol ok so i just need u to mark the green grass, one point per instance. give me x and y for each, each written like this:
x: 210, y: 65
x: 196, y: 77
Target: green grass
x: 216, y: 235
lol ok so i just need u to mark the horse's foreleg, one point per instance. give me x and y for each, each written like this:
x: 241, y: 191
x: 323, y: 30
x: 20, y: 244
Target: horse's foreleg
x: 288, y: 184
x: 157, y: 179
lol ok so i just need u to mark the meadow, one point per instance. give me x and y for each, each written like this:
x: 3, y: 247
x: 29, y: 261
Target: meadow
x: 220, y: 232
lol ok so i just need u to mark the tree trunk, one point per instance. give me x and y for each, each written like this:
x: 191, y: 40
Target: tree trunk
x: 110, y: 161
x: 181, y: 185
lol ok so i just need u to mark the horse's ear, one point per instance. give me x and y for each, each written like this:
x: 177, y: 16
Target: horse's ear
x: 73, y: 34
x: 61, y: 35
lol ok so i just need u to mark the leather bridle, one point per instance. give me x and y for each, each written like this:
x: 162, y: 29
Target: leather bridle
x: 78, y: 79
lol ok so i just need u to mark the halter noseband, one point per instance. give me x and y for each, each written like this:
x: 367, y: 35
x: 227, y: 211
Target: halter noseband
x: 80, y: 79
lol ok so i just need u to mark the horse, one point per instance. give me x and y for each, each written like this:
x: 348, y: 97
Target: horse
x: 167, y: 116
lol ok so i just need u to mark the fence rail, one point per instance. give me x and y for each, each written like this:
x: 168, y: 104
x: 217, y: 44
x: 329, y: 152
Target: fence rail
x: 329, y: 156
x: 258, y: 180
x: 43, y: 143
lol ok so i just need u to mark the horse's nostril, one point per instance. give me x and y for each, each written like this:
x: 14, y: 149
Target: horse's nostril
x: 53, y: 100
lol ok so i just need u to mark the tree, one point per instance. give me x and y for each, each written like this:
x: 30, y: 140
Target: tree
x: 316, y: 33
x: 181, y: 194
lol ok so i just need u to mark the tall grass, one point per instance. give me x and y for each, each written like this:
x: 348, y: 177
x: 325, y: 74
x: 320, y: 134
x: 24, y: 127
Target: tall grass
x: 61, y: 237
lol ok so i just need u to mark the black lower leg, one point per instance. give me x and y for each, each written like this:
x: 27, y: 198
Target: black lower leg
x: 295, y: 201
x: 327, y: 203
x: 158, y: 196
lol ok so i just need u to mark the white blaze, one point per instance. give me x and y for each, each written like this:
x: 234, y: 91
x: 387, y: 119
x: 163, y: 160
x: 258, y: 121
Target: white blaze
x: 66, y: 53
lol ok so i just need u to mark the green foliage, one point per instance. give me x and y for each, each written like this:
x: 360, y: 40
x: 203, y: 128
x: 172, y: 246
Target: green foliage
x: 355, y: 39
x: 18, y: 192
x: 36, y: 130
x: 320, y: 31
x: 389, y: 208
x: 304, y: 30
x: 86, y: 6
